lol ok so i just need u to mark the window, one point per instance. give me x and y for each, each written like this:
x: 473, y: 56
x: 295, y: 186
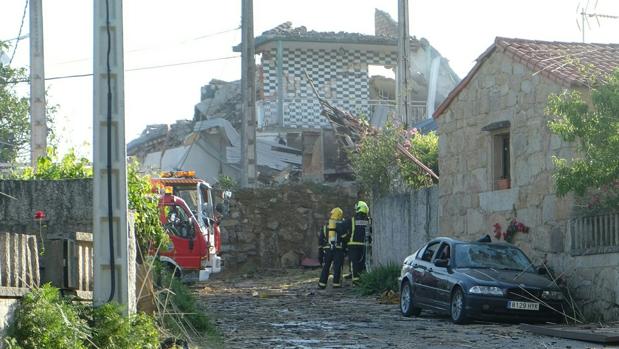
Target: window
x: 444, y: 252
x: 429, y: 251
x: 178, y: 223
x: 501, y: 161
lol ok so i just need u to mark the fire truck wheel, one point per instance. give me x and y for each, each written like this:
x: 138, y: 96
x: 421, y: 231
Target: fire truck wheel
x: 172, y: 269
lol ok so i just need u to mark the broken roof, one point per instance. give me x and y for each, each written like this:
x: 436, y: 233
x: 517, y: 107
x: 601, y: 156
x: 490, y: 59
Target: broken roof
x: 269, y: 154
x: 285, y: 32
x: 561, y: 62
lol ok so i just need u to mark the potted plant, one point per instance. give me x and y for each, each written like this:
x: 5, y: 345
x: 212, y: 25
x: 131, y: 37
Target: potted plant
x: 503, y: 183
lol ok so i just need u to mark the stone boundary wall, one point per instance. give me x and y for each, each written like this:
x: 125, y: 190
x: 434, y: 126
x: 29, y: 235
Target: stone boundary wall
x: 277, y: 227
x: 67, y: 205
x: 402, y: 223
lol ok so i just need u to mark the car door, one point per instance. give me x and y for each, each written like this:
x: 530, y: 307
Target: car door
x: 182, y: 232
x: 439, y: 278
x: 421, y: 267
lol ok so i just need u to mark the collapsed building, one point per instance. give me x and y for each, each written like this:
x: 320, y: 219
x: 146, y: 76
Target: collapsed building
x: 292, y: 136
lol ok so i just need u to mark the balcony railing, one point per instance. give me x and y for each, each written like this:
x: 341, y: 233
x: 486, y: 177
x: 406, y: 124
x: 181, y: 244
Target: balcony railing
x: 306, y: 111
x: 594, y: 234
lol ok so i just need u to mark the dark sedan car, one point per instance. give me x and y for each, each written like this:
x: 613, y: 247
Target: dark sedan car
x: 477, y: 280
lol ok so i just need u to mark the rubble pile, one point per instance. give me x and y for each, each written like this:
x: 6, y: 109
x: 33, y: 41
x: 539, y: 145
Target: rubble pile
x: 349, y: 129
x: 220, y: 99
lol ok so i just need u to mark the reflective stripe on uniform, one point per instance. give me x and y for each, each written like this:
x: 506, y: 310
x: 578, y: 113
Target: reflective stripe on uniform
x: 361, y: 223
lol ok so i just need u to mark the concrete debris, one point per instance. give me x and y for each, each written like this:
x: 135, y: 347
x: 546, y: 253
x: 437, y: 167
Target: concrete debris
x: 159, y: 137
x: 220, y: 99
x: 350, y: 129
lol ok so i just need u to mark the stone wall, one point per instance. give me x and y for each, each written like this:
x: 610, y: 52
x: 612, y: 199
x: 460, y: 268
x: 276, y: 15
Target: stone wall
x: 402, y: 223
x: 277, y: 227
x: 469, y: 206
x: 67, y: 205
x: 384, y: 25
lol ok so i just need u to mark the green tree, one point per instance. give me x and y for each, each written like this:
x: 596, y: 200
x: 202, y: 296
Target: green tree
x: 52, y: 167
x: 377, y: 164
x: 14, y: 121
x: 594, y: 129
x: 145, y: 205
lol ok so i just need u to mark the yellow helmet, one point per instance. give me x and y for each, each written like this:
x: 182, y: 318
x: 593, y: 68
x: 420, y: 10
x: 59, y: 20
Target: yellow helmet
x: 362, y: 207
x: 337, y: 213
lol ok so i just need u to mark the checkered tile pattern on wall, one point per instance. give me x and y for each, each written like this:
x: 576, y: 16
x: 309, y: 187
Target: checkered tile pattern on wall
x: 341, y: 76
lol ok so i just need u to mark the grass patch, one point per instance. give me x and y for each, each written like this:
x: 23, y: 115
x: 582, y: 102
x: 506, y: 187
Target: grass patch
x: 380, y: 279
x: 184, y: 318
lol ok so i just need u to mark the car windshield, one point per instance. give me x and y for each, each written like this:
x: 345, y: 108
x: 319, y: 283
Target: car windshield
x: 491, y: 256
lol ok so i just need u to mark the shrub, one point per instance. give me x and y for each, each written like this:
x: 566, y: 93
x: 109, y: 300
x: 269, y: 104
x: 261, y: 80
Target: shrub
x: 44, y: 320
x: 113, y: 330
x: 378, y: 166
x: 380, y: 279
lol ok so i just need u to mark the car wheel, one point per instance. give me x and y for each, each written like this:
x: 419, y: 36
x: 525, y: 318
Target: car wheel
x: 406, y: 300
x: 458, y: 306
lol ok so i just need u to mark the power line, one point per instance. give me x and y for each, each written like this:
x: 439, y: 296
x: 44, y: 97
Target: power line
x: 21, y: 26
x: 183, y: 63
x: 128, y: 70
x: 205, y: 36
x: 218, y: 33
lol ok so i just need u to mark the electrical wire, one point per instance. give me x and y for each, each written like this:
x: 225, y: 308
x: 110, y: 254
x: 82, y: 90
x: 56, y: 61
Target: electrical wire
x: 110, y: 212
x: 126, y: 70
x: 21, y: 26
x: 153, y: 47
x: 217, y: 33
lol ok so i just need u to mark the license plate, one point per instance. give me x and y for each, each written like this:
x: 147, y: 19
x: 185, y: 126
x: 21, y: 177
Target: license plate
x: 522, y: 305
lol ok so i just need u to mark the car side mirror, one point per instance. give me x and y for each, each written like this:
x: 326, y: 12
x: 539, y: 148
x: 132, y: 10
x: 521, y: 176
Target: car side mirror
x: 442, y: 263
x: 542, y: 271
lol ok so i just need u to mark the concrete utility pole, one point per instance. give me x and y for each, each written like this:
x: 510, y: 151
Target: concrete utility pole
x: 114, y: 250
x: 403, y: 78
x: 248, y: 93
x: 38, y: 120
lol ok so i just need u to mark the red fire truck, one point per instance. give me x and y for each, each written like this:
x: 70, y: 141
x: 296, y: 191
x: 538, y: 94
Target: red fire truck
x: 188, y: 213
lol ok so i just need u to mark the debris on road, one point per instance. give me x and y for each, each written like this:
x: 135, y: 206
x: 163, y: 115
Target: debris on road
x: 297, y: 315
x: 596, y: 334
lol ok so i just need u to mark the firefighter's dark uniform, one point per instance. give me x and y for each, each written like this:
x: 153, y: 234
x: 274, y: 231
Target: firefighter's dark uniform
x: 323, y: 244
x: 333, y: 250
x: 358, y: 233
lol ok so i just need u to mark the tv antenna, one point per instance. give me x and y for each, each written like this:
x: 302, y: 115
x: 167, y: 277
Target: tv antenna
x: 585, y: 15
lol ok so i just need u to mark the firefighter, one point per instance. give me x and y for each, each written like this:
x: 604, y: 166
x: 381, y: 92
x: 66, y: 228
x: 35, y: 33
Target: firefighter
x: 322, y: 244
x: 333, y: 250
x: 358, y: 228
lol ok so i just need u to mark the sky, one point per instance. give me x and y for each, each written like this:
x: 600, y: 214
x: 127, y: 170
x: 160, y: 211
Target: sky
x: 158, y: 32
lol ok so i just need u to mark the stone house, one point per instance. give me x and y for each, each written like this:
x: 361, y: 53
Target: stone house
x: 495, y: 158
x: 341, y: 66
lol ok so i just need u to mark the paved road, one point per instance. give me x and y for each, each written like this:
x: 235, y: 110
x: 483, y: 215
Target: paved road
x: 285, y: 310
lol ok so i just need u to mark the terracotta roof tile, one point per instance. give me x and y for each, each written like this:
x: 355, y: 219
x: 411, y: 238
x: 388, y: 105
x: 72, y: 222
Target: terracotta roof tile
x: 562, y: 61
x: 558, y: 61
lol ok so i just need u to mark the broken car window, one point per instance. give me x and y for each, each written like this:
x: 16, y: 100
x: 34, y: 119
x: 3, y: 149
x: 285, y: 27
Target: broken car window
x: 491, y: 256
